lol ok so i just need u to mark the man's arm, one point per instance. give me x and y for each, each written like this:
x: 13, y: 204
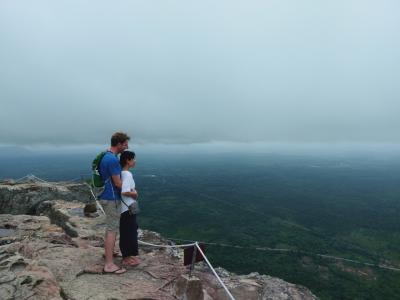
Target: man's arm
x: 117, y: 181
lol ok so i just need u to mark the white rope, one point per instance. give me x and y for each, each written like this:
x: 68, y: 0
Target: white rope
x: 30, y: 177
x: 98, y: 205
x: 35, y: 178
x: 357, y: 262
x: 20, y: 179
x: 68, y: 181
x: 215, y: 273
x: 166, y: 246
x: 326, y: 256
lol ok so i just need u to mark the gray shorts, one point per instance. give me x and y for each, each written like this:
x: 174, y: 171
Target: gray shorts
x: 112, y: 209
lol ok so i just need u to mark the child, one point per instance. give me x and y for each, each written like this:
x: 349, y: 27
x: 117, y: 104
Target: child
x: 128, y: 240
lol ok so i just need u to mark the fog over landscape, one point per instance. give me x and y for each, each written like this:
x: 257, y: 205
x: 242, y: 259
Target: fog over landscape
x: 179, y: 72
x: 268, y: 129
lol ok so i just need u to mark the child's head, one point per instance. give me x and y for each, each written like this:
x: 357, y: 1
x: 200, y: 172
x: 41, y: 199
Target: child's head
x: 127, y: 157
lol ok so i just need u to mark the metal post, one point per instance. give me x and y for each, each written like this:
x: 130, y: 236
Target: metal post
x: 193, y: 261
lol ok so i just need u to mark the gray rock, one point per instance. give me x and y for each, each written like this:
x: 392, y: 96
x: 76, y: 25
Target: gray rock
x: 189, y: 288
x: 27, y: 197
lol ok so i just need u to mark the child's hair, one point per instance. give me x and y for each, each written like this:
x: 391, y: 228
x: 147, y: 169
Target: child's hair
x: 125, y: 156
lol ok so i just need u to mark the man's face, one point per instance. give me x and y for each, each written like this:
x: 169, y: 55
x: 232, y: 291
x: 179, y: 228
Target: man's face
x: 123, y: 146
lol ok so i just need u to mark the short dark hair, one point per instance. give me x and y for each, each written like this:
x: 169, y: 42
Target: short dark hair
x: 119, y: 138
x: 125, y: 156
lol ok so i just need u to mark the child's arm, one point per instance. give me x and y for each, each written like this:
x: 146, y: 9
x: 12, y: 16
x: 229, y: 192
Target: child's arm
x: 133, y: 194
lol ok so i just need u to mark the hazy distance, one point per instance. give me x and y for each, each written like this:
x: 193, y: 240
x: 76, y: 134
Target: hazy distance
x: 185, y: 72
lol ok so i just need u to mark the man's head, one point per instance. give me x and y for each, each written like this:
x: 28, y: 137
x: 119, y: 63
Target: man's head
x: 119, y: 142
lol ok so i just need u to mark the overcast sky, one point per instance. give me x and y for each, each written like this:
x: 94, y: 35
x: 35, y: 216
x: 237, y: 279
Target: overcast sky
x: 72, y: 72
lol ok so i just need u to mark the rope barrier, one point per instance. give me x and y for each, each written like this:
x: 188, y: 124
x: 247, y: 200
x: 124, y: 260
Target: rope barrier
x: 166, y: 246
x: 35, y: 178
x: 215, y: 273
x: 326, y: 256
x: 32, y: 177
x: 358, y: 262
x: 98, y: 205
x: 70, y: 180
x: 20, y: 179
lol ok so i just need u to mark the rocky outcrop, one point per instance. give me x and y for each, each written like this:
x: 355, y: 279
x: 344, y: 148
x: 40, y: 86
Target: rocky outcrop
x: 40, y: 259
x: 26, y: 197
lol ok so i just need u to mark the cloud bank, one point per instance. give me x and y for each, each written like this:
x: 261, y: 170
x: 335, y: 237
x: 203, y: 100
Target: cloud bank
x: 73, y: 72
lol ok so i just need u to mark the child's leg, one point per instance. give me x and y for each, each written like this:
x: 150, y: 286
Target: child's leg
x: 131, y: 242
x: 131, y: 238
x: 134, y: 234
x: 125, y: 232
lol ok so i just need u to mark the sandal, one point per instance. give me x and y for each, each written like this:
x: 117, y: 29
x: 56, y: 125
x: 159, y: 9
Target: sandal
x: 130, y: 262
x: 116, y: 271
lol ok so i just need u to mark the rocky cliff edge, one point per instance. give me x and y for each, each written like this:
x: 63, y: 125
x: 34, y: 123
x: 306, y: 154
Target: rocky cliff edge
x: 58, y: 254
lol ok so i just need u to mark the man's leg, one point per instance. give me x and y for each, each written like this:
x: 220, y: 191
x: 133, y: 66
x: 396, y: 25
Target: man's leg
x: 109, y: 245
x: 112, y: 222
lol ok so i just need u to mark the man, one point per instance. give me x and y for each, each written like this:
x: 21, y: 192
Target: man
x: 110, y: 198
